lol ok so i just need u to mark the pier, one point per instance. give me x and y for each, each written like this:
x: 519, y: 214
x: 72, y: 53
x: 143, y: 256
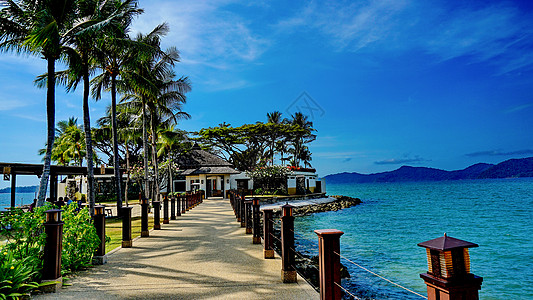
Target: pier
x: 203, y: 254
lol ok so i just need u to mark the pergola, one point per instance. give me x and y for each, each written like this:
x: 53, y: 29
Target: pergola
x: 11, y: 170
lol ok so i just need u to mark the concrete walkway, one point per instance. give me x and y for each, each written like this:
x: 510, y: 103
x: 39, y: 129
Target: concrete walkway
x: 204, y: 254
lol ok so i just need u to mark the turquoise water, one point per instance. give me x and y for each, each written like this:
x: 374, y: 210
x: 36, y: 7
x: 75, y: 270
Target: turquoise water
x: 20, y: 199
x: 382, y: 233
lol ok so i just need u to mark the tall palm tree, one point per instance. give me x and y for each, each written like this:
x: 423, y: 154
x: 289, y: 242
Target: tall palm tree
x: 98, y: 15
x: 113, y: 53
x: 303, y: 135
x: 40, y: 28
x: 156, y: 91
x: 274, y: 118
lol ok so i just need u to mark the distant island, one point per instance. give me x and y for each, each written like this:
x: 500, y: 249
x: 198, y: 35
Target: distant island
x: 20, y: 189
x: 511, y: 168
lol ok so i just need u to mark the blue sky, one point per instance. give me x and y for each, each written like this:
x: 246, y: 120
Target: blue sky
x: 442, y: 84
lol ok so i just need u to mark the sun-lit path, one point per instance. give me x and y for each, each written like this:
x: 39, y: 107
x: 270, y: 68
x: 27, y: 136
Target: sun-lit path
x: 204, y: 254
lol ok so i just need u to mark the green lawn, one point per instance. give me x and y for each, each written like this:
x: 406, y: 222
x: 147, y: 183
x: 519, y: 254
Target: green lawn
x: 113, y: 229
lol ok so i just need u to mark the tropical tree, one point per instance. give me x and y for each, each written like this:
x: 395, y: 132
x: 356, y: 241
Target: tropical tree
x: 113, y: 52
x: 303, y: 134
x: 40, y: 28
x: 152, y: 89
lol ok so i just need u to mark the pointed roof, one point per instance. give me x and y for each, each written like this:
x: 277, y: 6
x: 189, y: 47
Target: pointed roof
x: 197, y: 158
x: 445, y: 243
x: 198, y: 161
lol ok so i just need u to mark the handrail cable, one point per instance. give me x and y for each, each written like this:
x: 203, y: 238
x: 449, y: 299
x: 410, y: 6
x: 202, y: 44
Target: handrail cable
x: 302, y: 257
x: 380, y: 276
x: 345, y: 290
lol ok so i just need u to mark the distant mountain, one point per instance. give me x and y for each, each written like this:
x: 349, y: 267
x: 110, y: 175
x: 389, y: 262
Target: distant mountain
x: 510, y: 168
x: 20, y: 189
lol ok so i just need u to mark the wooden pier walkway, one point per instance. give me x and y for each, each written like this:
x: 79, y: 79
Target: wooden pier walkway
x: 204, y: 254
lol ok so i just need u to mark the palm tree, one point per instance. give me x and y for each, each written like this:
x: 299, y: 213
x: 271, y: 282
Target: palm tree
x: 303, y: 129
x: 274, y: 118
x: 113, y: 52
x: 170, y: 141
x: 40, y: 28
x: 155, y: 90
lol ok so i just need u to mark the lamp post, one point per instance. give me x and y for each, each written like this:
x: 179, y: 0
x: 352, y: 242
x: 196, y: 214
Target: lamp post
x: 53, y: 227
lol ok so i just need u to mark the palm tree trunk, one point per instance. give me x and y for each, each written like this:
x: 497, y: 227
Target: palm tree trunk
x: 171, y: 183
x: 128, y: 170
x: 88, y: 136
x: 50, y: 118
x: 116, y: 164
x: 145, y: 149
x: 154, y: 156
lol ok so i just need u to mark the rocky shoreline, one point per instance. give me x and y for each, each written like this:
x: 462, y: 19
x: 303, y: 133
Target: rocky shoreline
x: 341, y: 202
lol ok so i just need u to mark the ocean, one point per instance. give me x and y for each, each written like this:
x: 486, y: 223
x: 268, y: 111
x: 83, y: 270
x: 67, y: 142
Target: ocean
x: 20, y: 199
x: 382, y: 234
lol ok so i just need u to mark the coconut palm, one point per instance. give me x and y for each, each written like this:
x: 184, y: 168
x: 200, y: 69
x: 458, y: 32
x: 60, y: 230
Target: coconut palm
x: 113, y: 53
x: 40, y: 28
x: 156, y: 92
x: 303, y: 134
x: 98, y: 15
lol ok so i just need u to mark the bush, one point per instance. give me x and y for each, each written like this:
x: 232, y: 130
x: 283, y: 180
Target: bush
x: 16, y: 276
x: 259, y: 191
x: 79, y: 239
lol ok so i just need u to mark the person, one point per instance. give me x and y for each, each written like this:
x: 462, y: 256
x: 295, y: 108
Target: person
x: 69, y: 201
x: 60, y: 202
x: 32, y: 206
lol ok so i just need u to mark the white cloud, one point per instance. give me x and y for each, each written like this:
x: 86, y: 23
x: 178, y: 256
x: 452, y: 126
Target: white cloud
x: 11, y: 104
x: 204, y: 31
x: 497, y: 33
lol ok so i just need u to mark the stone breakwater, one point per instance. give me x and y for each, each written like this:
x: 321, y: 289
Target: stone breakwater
x: 341, y: 202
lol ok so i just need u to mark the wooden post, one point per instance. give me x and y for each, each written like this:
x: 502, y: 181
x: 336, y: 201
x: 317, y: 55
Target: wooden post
x: 157, y: 214
x: 329, y: 263
x: 144, y: 217
x: 178, y: 206
x: 127, y: 241
x: 183, y: 204
x: 13, y: 188
x: 256, y: 222
x: 173, y: 207
x: 268, y: 229
x: 52, y: 250
x: 166, y: 220
x: 243, y: 211
x: 248, y: 216
x: 99, y: 257
x: 449, y: 277
x: 288, y: 272
x: 237, y: 201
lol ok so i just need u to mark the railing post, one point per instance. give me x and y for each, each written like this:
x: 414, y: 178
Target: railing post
x: 329, y: 263
x: 157, y: 214
x: 127, y: 241
x: 52, y: 250
x: 99, y: 257
x: 243, y: 211
x: 166, y: 220
x: 257, y: 222
x: 144, y: 217
x: 449, y: 274
x: 248, y: 216
x: 173, y: 207
x: 288, y: 272
x: 237, y: 201
x: 178, y: 206
x: 268, y: 229
x: 183, y: 204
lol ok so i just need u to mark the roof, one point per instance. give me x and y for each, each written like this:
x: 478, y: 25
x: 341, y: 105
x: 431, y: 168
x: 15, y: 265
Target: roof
x: 210, y: 170
x: 445, y: 243
x: 37, y: 169
x: 197, y: 158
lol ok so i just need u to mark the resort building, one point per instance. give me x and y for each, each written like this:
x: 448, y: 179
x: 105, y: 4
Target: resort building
x: 201, y: 170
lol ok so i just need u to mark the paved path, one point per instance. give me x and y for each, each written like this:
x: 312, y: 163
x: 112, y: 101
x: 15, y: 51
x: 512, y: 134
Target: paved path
x: 204, y: 254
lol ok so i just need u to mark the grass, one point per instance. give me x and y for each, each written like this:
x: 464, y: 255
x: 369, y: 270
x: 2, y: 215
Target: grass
x: 113, y: 229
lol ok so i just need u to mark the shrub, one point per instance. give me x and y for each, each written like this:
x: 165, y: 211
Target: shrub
x: 258, y: 191
x: 16, y: 276
x: 79, y: 239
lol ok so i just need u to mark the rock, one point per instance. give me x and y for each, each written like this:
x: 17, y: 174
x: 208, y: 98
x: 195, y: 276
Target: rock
x: 341, y: 202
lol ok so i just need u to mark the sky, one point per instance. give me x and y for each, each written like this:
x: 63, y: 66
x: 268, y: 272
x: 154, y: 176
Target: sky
x: 442, y: 84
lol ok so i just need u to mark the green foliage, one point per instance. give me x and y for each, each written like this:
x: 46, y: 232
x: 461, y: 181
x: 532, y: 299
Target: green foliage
x: 269, y: 178
x: 24, y: 235
x: 16, y: 276
x: 21, y: 256
x: 258, y: 191
x: 79, y: 239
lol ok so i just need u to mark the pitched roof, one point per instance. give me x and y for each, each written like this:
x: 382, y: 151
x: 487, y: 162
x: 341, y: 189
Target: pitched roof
x: 445, y: 243
x: 210, y: 170
x: 197, y: 158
